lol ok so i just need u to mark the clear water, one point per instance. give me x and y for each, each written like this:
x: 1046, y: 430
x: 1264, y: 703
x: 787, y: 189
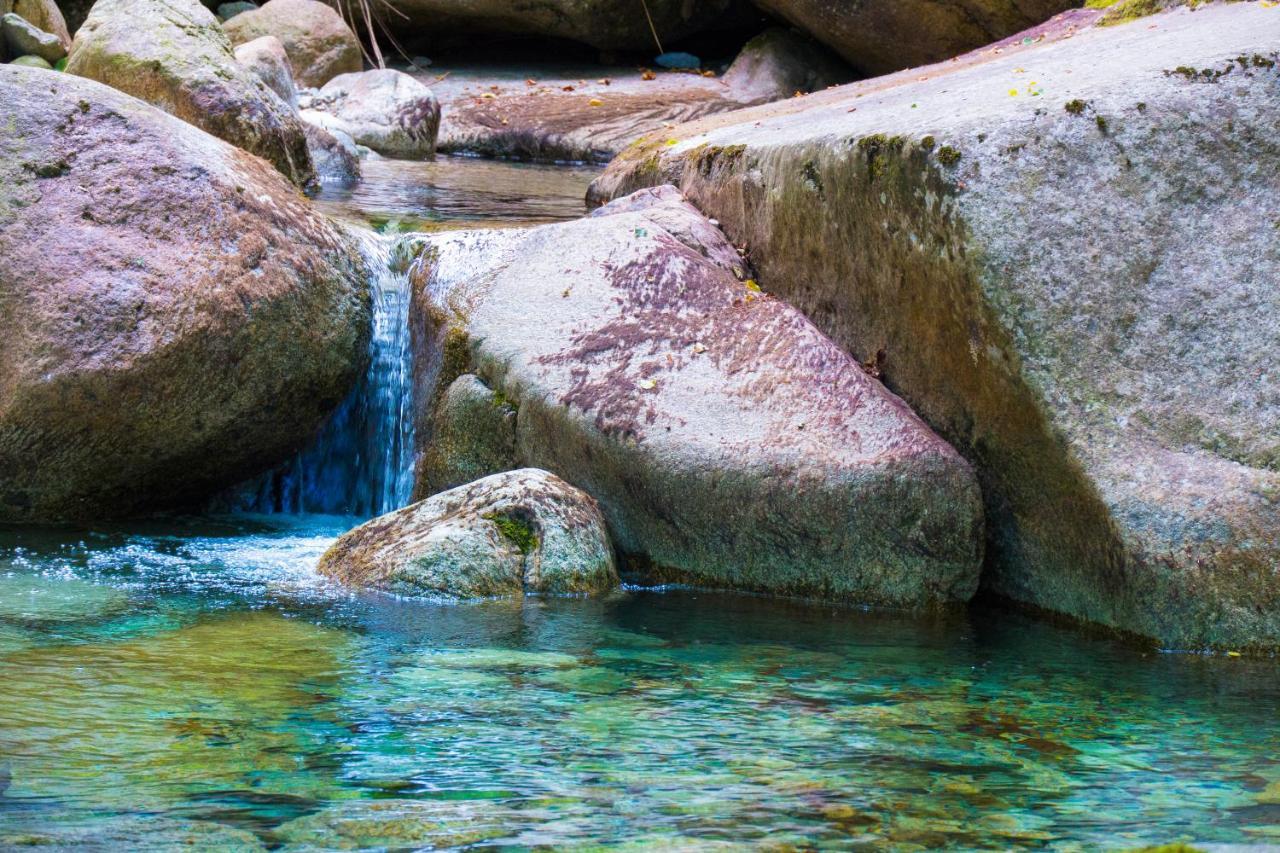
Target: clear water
x: 200, y: 683
x: 195, y: 683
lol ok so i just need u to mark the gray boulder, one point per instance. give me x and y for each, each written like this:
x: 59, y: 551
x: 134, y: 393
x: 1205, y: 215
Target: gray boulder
x: 1066, y: 253
x: 266, y: 59
x: 727, y: 440
x: 173, y: 54
x: 475, y: 435
x: 384, y: 110
x: 512, y: 533
x: 174, y: 316
x: 23, y: 38
x: 319, y: 43
x: 779, y: 63
x: 334, y: 155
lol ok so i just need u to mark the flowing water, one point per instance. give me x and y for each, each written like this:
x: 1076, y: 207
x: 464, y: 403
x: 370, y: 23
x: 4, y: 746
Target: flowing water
x: 195, y: 683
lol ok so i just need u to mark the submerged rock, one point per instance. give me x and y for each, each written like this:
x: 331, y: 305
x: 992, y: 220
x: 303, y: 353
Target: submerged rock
x: 384, y: 110
x: 173, y: 54
x: 521, y: 531
x: 23, y: 38
x: 319, y: 43
x: 266, y: 58
x: 724, y: 436
x: 879, y: 36
x: 1063, y: 253
x: 227, y: 11
x: 174, y: 315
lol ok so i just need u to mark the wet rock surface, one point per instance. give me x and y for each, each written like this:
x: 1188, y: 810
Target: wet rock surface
x: 174, y: 55
x: 266, y: 58
x: 1073, y: 230
x: 727, y: 440
x: 507, y: 534
x: 192, y: 319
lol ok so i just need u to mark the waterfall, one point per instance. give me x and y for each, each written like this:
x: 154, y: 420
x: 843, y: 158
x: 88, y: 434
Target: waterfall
x: 361, y: 463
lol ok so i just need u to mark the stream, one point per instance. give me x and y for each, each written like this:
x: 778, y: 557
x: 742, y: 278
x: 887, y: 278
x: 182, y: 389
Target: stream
x: 195, y: 682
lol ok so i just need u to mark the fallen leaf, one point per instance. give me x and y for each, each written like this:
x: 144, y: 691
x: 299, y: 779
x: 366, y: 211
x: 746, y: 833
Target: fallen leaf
x: 595, y: 102
x: 751, y: 285
x: 699, y: 347
x: 647, y: 384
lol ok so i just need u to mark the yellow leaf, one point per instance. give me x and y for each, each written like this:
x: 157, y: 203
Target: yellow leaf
x: 647, y: 384
x: 751, y: 285
x: 596, y: 102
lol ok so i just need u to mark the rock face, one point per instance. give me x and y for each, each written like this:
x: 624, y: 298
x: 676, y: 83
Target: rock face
x: 334, y: 155
x: 266, y: 59
x: 319, y: 43
x: 727, y: 440
x: 521, y: 531
x: 173, y: 54
x: 604, y: 24
x: 591, y: 114
x: 475, y: 435
x: 384, y: 110
x: 174, y: 316
x: 22, y: 38
x: 1067, y: 279
x: 879, y: 36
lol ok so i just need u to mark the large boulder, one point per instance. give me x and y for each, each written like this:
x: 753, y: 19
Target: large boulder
x: 879, y: 36
x: 174, y: 315
x: 605, y: 24
x: 319, y: 43
x: 511, y: 533
x: 384, y: 110
x: 728, y: 441
x: 173, y: 54
x: 266, y: 58
x: 1066, y: 253
x: 593, y: 113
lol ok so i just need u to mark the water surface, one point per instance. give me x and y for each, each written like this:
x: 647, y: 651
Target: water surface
x: 199, y: 680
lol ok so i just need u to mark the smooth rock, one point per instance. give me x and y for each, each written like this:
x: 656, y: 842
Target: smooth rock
x: 608, y: 25
x: 334, y: 155
x: 319, y: 43
x: 384, y: 110
x: 23, y: 38
x: 32, y: 62
x: 879, y: 36
x: 1066, y: 252
x: 227, y: 11
x: 780, y: 63
x: 511, y: 533
x: 591, y: 114
x: 173, y: 54
x: 727, y: 440
x: 174, y: 315
x: 266, y: 58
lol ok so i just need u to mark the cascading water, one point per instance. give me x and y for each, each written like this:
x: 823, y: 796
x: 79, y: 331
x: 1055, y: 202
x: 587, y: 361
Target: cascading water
x: 361, y: 463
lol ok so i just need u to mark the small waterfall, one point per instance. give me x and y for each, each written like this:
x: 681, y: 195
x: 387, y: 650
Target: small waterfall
x: 361, y: 463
